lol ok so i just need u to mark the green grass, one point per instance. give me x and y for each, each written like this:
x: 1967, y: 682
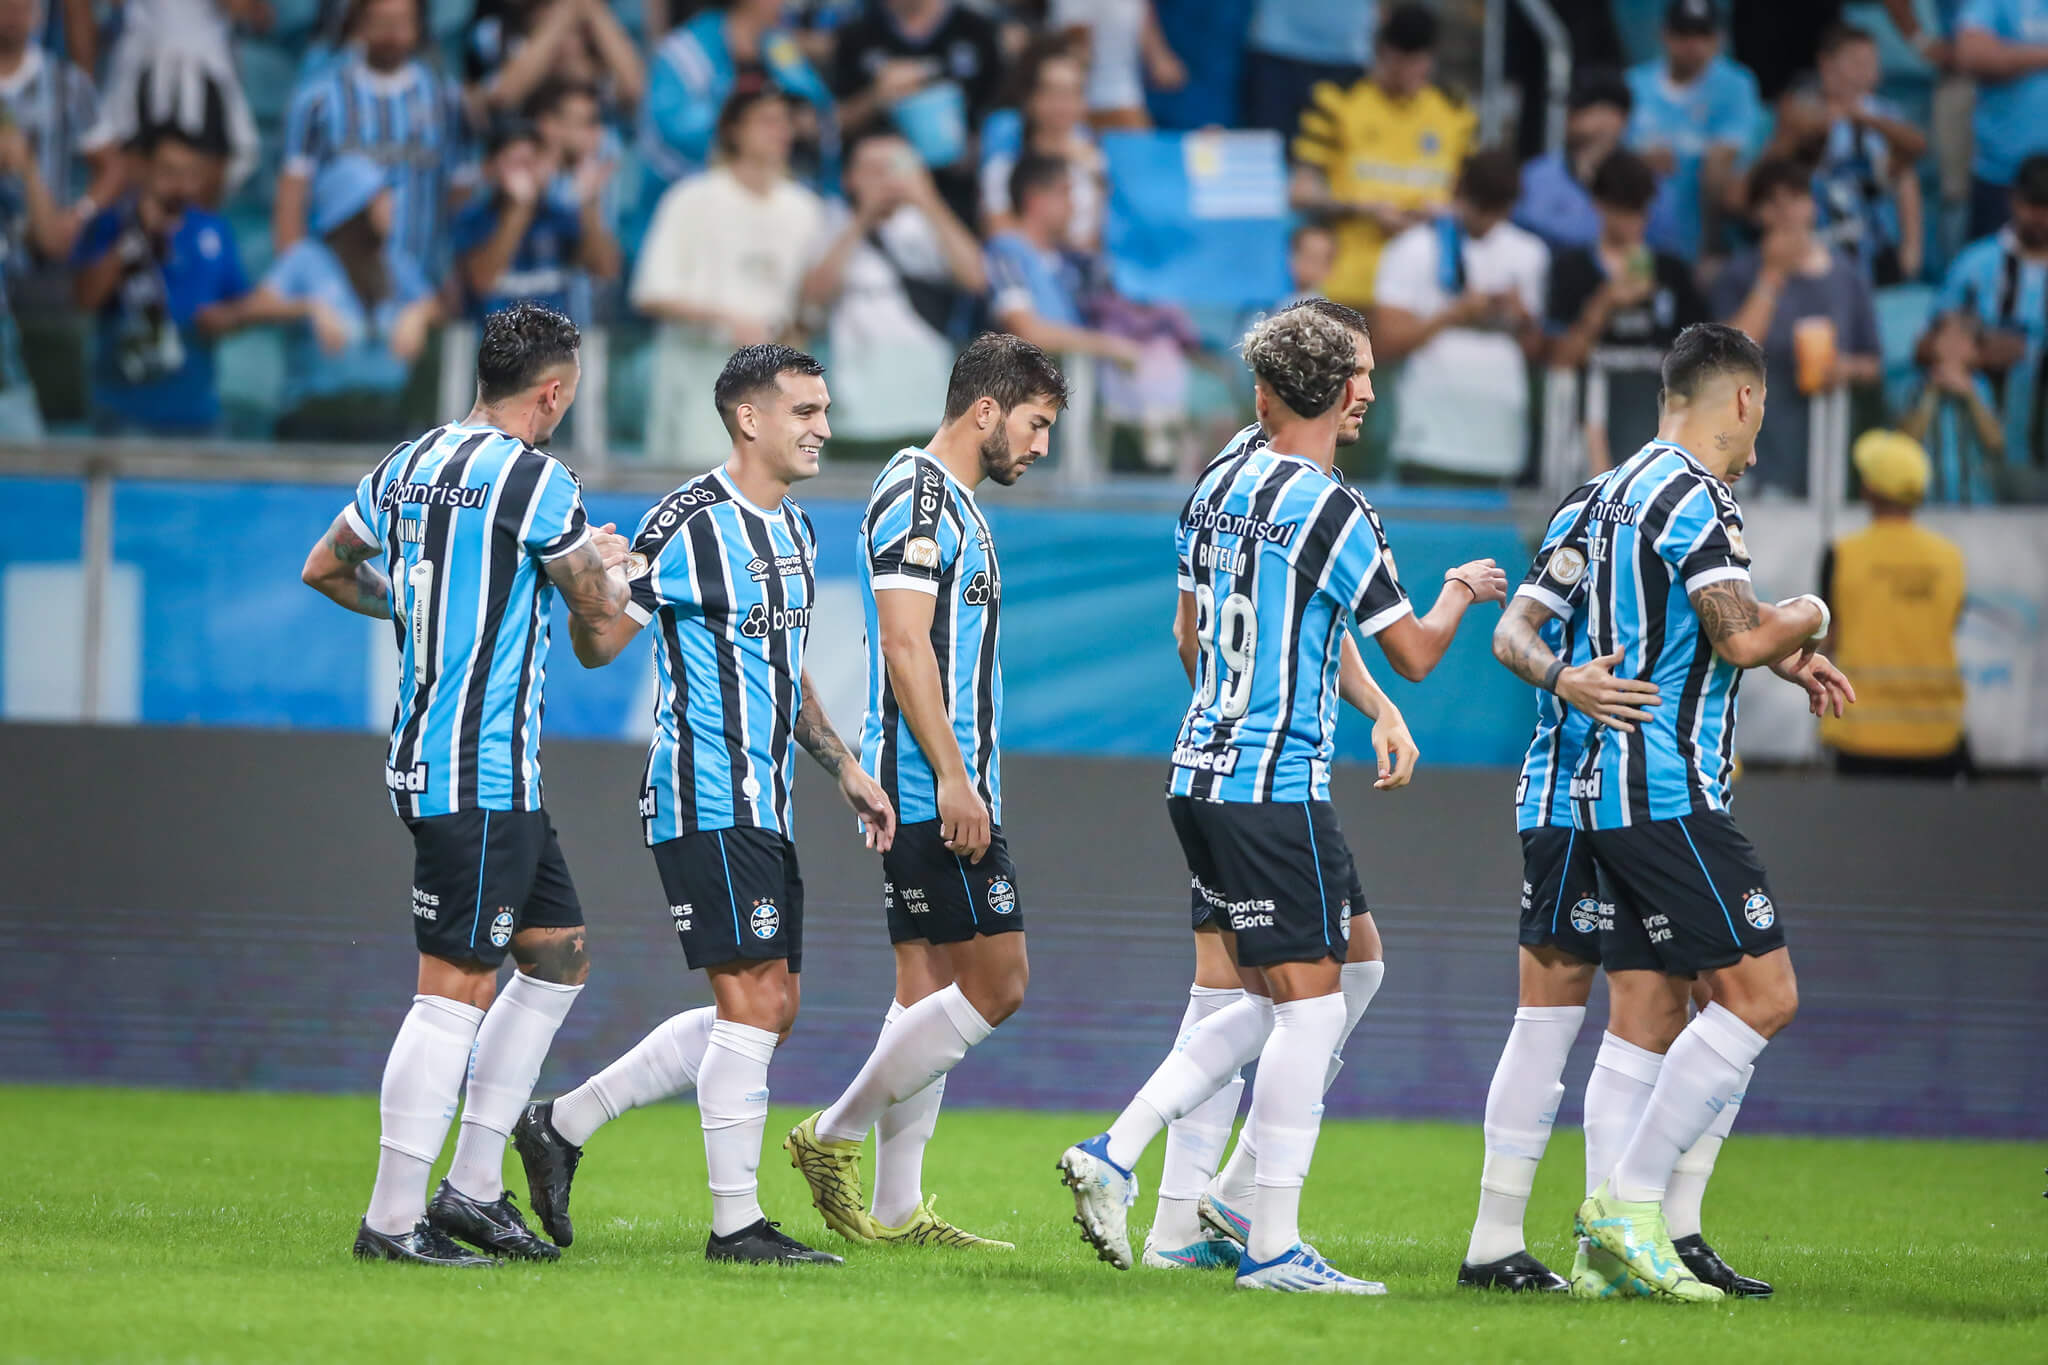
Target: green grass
x: 151, y: 1226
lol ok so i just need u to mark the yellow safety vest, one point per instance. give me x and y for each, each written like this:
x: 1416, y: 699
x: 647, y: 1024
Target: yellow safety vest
x: 1896, y: 594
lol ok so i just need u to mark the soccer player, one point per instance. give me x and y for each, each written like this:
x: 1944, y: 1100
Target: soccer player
x: 1662, y: 582
x: 722, y: 567
x: 933, y: 593
x: 1275, y: 553
x: 460, y: 538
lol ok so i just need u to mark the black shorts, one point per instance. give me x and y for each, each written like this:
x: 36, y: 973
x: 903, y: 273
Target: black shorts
x: 1689, y: 895
x: 735, y: 895
x: 480, y: 876
x: 1561, y: 905
x: 1276, y: 874
x: 932, y: 893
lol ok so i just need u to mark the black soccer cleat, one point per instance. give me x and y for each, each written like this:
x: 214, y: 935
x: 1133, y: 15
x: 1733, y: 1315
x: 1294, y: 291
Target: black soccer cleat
x: 765, y: 1242
x: 1707, y: 1267
x: 424, y: 1245
x: 1520, y: 1273
x: 550, y: 1162
x: 495, y: 1227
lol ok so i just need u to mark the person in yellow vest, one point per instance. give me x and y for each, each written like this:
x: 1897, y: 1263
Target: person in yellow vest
x: 1895, y: 589
x: 1381, y: 156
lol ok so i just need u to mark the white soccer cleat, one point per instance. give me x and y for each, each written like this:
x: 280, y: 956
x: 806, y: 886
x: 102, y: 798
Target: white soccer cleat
x: 1208, y: 1252
x: 1223, y: 1220
x: 1103, y: 1195
x: 1301, y: 1270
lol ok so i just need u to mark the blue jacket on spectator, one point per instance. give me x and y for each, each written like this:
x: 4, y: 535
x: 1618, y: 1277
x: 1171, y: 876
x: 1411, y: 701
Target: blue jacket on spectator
x: 1020, y: 275
x: 1992, y: 279
x: 543, y: 267
x: 687, y: 81
x: 309, y: 269
x: 2010, y: 115
x: 1557, y: 208
x: 1721, y: 107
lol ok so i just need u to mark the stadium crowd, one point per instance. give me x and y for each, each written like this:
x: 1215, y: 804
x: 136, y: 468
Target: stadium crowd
x: 888, y: 177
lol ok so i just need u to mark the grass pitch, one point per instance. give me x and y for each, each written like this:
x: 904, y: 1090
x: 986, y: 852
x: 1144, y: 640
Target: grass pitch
x: 154, y: 1226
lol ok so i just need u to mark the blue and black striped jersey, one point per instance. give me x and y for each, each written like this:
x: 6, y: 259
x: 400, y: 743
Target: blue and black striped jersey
x: 467, y: 517
x: 729, y: 588
x: 924, y: 533
x: 1280, y: 556
x: 1543, y: 796
x: 1657, y: 529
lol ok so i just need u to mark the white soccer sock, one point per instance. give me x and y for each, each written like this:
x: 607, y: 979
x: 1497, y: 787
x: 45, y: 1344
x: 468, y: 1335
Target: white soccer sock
x: 510, y: 1047
x: 1200, y: 1064
x: 901, y: 1134
x: 1195, y: 1141
x: 1361, y: 982
x: 422, y: 1086
x: 1701, y: 1074
x: 1689, y: 1177
x: 662, y: 1064
x: 1521, y: 1106
x: 1236, y: 1183
x: 732, y: 1103
x: 1287, y: 1109
x: 926, y: 1041
x: 1616, y: 1095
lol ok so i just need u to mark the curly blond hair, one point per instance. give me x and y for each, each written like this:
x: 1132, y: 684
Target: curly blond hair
x: 1303, y: 359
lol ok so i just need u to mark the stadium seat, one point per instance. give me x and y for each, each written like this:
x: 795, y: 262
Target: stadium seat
x: 251, y: 366
x: 295, y: 20
x: 447, y: 19
x: 270, y: 72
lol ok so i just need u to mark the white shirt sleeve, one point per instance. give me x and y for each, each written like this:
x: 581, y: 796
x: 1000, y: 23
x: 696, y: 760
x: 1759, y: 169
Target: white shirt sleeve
x: 1407, y: 273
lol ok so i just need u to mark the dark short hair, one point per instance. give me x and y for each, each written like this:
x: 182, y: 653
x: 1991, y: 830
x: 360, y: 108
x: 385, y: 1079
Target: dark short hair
x: 1624, y: 181
x: 1490, y: 180
x: 1008, y: 369
x: 750, y: 370
x: 1600, y: 85
x: 1342, y: 314
x: 1302, y: 357
x: 519, y: 345
x: 2030, y: 182
x: 1410, y: 28
x: 736, y: 107
x: 1705, y: 351
x: 1302, y: 230
x: 861, y: 134
x: 1774, y: 175
x: 554, y: 92
x: 503, y: 132
x: 1034, y: 172
x: 1839, y: 36
x: 158, y: 133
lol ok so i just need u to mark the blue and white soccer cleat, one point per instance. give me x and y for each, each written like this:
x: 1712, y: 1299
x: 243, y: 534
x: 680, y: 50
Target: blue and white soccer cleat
x: 1208, y: 1253
x: 1103, y: 1195
x: 1301, y: 1270
x: 1224, y: 1220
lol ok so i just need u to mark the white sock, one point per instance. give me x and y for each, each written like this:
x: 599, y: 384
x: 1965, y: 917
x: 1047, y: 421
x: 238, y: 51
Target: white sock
x: 1521, y: 1106
x: 1195, y: 1141
x: 662, y: 1064
x: 1200, y: 1064
x: 1616, y: 1095
x: 901, y: 1134
x: 1287, y: 1109
x: 732, y: 1101
x: 422, y: 1086
x: 926, y: 1041
x: 1689, y: 1177
x: 1361, y: 982
x: 1701, y: 1074
x: 510, y: 1047
x: 1236, y: 1183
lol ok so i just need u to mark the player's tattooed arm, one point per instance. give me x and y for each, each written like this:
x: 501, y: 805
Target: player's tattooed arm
x: 594, y: 588
x: 812, y: 730
x: 342, y: 567
x: 1518, y: 643
x: 815, y: 733
x: 1753, y: 634
x: 1620, y: 703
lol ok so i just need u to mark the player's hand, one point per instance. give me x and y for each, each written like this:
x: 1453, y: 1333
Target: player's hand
x: 1828, y: 689
x: 963, y: 819
x: 1395, y: 747
x: 1593, y: 690
x: 871, y: 804
x: 611, y: 547
x: 1487, y: 580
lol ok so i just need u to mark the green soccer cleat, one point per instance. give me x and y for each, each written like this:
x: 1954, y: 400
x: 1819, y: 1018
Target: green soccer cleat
x: 925, y: 1228
x: 1597, y: 1274
x: 832, y: 1170
x: 1635, y: 1235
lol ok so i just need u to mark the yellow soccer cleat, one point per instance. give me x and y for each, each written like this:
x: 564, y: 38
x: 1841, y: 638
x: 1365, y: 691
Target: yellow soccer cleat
x: 1597, y: 1274
x: 832, y: 1170
x: 1635, y: 1235
x: 926, y: 1229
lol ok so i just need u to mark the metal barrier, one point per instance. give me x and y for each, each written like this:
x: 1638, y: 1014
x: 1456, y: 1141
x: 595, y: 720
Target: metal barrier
x: 1557, y: 62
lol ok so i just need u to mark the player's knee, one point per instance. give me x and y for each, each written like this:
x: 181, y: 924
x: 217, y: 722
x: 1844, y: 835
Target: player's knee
x: 999, y: 996
x: 558, y: 956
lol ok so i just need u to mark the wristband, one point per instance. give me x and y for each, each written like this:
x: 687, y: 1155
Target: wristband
x: 1453, y: 578
x: 1551, y: 675
x: 1826, y: 617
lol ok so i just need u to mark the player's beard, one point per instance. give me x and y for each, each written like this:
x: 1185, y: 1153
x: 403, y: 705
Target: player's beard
x: 996, y: 460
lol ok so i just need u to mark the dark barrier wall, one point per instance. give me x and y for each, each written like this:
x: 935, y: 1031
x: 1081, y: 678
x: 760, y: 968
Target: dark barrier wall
x: 228, y: 909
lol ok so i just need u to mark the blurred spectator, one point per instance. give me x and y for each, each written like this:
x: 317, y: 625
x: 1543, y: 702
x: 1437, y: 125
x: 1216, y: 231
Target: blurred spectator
x: 385, y: 102
x: 1865, y: 153
x: 896, y: 275
x: 932, y: 67
x: 1593, y: 43
x: 1293, y: 44
x: 2003, y: 44
x: 1126, y: 51
x: 699, y: 66
x: 516, y: 46
x: 515, y: 240
x: 1557, y: 201
x: 175, y: 64
x: 1696, y: 115
x: 1896, y: 591
x: 1036, y: 288
x: 721, y: 267
x: 365, y: 306
x: 1055, y: 124
x: 2002, y: 281
x: 1614, y: 309
x: 161, y: 275
x: 1794, y: 292
x: 1381, y: 156
x: 1460, y: 300
x: 577, y: 143
x: 1311, y: 256
x: 50, y: 146
x: 1955, y: 414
